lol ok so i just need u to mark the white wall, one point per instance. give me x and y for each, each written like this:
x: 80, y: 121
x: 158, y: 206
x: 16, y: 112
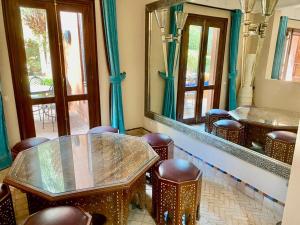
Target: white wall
x: 291, y: 214
x: 131, y: 25
x: 7, y: 88
x: 131, y: 28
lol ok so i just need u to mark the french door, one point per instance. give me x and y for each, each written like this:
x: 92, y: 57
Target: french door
x: 201, y: 67
x: 54, y: 65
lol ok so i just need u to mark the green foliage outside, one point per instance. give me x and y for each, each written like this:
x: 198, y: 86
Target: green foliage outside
x: 33, y: 57
x: 195, y: 33
x: 48, y: 81
x: 37, y: 45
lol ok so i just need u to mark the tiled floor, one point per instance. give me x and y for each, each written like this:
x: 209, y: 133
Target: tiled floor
x: 224, y: 201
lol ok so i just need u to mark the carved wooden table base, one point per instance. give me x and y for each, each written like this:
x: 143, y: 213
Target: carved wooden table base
x: 114, y: 205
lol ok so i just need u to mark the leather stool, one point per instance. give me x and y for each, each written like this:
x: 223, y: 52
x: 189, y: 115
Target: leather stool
x: 214, y: 115
x: 229, y: 130
x: 26, y: 144
x: 103, y: 129
x: 280, y: 145
x: 7, y: 214
x: 176, y: 192
x: 63, y: 215
x: 162, y: 144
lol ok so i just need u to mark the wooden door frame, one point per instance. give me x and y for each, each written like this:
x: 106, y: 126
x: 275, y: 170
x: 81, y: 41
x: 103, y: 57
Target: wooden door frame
x: 14, y: 37
x: 205, y: 22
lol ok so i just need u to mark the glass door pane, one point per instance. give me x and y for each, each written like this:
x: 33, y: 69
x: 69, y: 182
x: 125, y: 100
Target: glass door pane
x: 189, y: 104
x: 79, y: 117
x: 74, y: 54
x: 211, y: 56
x: 207, y: 102
x: 72, y: 26
x: 38, y: 60
x: 192, y: 70
x: 45, y: 120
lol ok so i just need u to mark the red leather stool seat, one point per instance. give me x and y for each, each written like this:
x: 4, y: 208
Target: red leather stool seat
x: 157, y: 139
x: 103, y: 129
x: 26, y: 144
x: 285, y: 136
x: 214, y: 115
x: 178, y: 170
x: 229, y: 130
x: 7, y: 214
x: 230, y: 124
x: 162, y: 144
x: 63, y: 215
x: 218, y: 112
x: 280, y: 145
x: 176, y: 192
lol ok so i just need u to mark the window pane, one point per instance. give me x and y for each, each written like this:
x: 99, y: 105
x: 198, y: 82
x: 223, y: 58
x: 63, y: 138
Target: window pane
x: 208, y: 101
x: 38, y: 60
x: 74, y: 54
x: 45, y: 121
x: 79, y: 117
x: 189, y: 104
x: 296, y: 71
x: 211, y: 56
x: 195, y: 33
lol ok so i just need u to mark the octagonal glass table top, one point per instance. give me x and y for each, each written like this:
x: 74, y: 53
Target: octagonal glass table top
x: 81, y: 162
x: 273, y: 118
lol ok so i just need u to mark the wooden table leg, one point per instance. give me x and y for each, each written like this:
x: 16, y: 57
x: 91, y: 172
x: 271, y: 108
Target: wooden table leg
x: 141, y: 193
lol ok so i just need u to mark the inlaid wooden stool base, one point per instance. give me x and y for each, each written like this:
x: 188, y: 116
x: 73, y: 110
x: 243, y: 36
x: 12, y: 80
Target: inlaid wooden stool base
x: 7, y: 214
x: 163, y: 145
x: 280, y: 145
x: 114, y: 205
x: 176, y: 200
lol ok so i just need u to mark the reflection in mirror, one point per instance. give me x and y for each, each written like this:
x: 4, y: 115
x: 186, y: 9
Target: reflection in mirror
x: 264, y: 114
x: 290, y: 52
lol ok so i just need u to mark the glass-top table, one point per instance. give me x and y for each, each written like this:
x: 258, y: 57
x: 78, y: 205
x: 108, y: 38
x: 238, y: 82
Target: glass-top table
x: 260, y: 121
x: 80, y: 169
x: 273, y: 118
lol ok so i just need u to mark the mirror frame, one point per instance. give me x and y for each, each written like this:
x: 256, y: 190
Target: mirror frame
x: 259, y: 160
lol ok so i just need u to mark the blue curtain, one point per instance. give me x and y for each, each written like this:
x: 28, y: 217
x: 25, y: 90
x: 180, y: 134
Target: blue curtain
x: 169, y: 109
x: 116, y: 77
x: 5, y: 156
x: 236, y: 18
x: 279, y: 47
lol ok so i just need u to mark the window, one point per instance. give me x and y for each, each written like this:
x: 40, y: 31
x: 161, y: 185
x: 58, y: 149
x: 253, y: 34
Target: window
x: 201, y: 67
x: 291, y: 62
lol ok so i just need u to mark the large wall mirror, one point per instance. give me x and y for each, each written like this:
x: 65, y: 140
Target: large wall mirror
x: 200, y: 80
